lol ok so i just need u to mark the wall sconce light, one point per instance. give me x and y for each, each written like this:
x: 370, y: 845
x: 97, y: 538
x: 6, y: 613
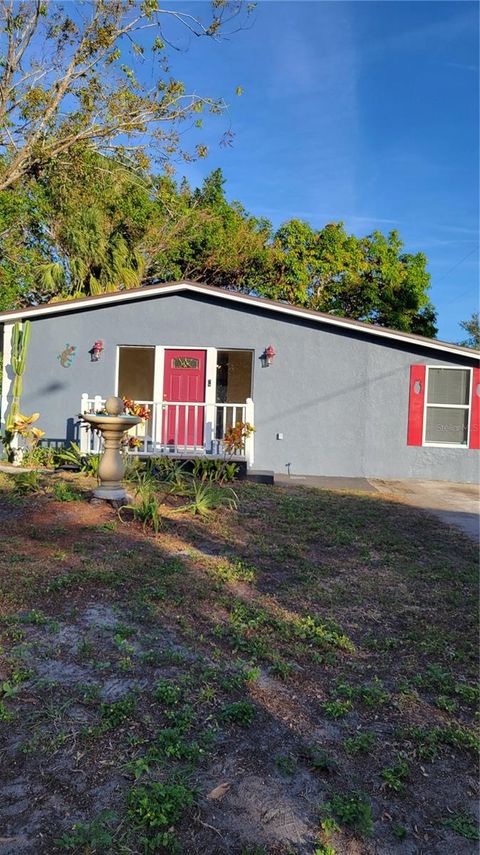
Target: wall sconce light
x: 268, y: 356
x: 96, y: 351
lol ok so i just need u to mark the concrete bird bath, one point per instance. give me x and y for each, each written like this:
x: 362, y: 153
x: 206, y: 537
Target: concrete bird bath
x: 112, y: 426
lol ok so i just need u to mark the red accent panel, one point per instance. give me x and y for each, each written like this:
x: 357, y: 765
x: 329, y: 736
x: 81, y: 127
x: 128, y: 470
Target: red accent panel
x: 184, y: 383
x: 475, y: 410
x: 416, y: 404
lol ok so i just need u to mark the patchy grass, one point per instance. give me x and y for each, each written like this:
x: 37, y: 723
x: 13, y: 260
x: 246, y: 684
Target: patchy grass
x: 294, y: 675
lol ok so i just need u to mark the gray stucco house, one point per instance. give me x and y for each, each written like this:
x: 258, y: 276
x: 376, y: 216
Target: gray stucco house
x: 327, y: 395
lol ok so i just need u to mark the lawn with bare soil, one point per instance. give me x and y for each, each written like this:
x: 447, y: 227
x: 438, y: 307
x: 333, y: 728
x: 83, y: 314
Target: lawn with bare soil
x: 298, y: 675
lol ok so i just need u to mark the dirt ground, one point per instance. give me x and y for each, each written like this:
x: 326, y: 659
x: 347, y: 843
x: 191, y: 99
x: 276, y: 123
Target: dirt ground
x: 299, y: 675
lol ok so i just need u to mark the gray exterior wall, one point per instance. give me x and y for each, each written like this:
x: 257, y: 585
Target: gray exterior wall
x: 339, y: 397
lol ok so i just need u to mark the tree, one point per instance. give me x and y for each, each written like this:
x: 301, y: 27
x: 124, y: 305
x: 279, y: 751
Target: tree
x: 368, y: 278
x: 74, y: 230
x: 67, y: 79
x: 472, y: 327
x: 203, y: 237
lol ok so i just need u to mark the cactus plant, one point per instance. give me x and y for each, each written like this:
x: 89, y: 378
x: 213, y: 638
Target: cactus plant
x: 20, y: 340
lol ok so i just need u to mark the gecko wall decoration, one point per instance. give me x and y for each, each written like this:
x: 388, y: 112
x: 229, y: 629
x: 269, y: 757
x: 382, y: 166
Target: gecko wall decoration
x: 67, y: 355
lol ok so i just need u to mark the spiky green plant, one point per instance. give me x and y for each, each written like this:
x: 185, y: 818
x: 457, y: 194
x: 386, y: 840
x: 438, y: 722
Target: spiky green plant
x: 20, y: 340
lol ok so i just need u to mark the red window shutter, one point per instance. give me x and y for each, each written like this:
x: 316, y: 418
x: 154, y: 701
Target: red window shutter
x: 416, y: 404
x: 475, y: 410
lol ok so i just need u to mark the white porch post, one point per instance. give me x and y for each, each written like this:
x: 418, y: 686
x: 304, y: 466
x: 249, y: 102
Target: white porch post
x: 158, y: 372
x: 83, y: 431
x: 210, y: 395
x: 249, y: 442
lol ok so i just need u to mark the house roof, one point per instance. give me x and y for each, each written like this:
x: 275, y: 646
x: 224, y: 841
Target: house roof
x: 234, y: 297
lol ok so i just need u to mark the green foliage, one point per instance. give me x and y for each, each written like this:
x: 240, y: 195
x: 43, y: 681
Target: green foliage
x: 113, y: 715
x: 156, y: 806
x: 206, y: 497
x: 361, y: 742
x: 25, y: 483
x: 146, y: 508
x: 239, y: 712
x: 368, y: 278
x: 234, y: 571
x: 337, y: 708
x: 72, y: 456
x: 96, y: 836
x: 352, y: 809
x: 65, y: 492
x: 285, y: 764
x: 428, y: 740
x: 167, y: 693
x: 472, y: 327
x: 320, y: 759
x: 216, y: 471
x: 463, y: 824
x: 395, y: 776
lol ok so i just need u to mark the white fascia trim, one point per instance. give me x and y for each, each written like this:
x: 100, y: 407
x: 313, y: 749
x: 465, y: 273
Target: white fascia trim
x: 332, y: 320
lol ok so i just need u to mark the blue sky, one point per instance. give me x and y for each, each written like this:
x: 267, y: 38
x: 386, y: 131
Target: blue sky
x: 364, y: 112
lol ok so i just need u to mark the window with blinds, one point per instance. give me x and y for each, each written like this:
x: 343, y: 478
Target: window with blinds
x: 447, y: 406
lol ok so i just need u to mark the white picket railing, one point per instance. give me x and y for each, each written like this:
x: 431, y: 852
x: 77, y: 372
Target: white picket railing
x: 176, y: 428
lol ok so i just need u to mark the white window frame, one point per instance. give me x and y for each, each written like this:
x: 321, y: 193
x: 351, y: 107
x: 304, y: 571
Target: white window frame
x: 467, y: 407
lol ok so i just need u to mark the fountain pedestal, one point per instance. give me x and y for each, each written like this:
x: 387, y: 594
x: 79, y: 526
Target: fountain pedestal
x: 111, y: 470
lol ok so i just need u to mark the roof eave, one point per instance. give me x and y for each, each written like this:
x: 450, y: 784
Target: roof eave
x: 233, y: 296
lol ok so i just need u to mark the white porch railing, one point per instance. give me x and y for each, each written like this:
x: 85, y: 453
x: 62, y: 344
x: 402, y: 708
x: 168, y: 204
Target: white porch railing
x: 176, y: 428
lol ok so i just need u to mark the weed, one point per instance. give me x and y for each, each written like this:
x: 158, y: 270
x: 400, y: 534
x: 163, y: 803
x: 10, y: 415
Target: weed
x: 282, y: 669
x: 85, y: 648
x: 96, y: 836
x: 114, y: 714
x: 373, y: 694
x: 337, y: 708
x: 155, y: 806
x: 167, y: 693
x: 171, y: 742
x: 26, y: 483
x: 352, y: 809
x: 446, y: 703
x: 428, y: 740
x: 394, y: 776
x: 5, y: 713
x: 285, y: 764
x: 234, y: 571
x: 399, y: 832
x: 361, y: 742
x: 320, y: 759
x: 239, y: 712
x: 464, y: 824
x: 65, y: 492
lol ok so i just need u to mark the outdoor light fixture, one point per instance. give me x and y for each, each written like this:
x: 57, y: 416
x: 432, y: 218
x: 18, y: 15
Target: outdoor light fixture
x: 268, y: 356
x: 96, y: 351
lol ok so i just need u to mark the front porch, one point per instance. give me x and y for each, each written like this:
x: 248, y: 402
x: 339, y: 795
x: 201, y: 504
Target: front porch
x: 177, y: 429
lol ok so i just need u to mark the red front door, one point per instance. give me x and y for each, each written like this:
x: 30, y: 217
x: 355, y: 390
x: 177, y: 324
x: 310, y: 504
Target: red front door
x: 184, y: 381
